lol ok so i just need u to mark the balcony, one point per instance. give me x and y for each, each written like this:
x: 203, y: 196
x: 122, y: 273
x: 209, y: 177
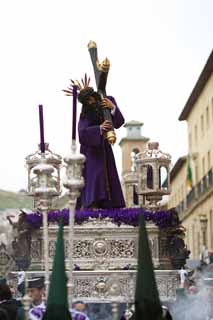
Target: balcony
x: 200, y: 190
x: 190, y: 197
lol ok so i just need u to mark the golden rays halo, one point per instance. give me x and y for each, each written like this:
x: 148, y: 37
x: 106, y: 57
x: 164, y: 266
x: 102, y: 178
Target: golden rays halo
x: 75, y: 83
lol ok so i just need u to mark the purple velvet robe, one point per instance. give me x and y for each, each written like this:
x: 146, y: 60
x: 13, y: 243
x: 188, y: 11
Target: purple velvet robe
x: 100, y: 171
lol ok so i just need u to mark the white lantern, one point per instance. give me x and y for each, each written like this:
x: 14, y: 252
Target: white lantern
x: 153, y: 166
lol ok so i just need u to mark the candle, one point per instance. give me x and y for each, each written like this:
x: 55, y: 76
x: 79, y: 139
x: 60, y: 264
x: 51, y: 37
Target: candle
x: 41, y: 122
x: 74, y: 112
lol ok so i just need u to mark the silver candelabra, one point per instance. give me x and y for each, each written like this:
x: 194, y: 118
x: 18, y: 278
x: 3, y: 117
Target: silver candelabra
x: 44, y: 185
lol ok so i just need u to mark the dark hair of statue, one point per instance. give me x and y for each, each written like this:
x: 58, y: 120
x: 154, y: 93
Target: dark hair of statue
x: 91, y: 111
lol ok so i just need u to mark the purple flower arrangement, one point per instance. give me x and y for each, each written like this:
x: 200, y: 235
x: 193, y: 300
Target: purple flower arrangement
x: 129, y: 216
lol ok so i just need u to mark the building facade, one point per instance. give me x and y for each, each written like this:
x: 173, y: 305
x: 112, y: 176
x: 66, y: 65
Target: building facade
x: 195, y: 202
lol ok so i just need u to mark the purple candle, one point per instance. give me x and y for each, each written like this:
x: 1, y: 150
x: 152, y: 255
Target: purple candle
x: 74, y: 112
x: 41, y: 122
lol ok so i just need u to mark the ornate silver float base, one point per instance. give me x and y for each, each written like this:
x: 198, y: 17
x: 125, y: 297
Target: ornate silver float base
x: 103, y: 251
x: 117, y: 286
x: 98, y: 245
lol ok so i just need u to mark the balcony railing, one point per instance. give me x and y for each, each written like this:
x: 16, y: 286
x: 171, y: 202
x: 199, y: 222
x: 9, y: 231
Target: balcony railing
x: 210, y: 177
x: 190, y: 197
x: 201, y: 188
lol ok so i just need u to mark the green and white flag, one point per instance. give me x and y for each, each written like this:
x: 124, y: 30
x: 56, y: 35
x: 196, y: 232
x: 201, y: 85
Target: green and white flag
x: 189, y: 174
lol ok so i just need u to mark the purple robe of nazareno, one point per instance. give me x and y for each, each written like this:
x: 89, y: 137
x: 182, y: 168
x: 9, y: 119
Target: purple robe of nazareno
x: 101, y: 178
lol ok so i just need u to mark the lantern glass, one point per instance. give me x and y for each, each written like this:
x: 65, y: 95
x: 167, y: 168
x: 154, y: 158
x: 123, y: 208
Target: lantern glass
x: 149, y: 177
x: 163, y: 178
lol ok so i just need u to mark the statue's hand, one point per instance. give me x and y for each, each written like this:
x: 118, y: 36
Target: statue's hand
x: 106, y: 103
x: 106, y: 126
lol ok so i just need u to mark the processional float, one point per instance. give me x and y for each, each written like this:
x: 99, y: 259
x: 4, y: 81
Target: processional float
x: 109, y: 247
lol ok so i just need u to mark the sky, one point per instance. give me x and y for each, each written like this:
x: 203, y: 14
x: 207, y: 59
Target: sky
x: 157, y: 50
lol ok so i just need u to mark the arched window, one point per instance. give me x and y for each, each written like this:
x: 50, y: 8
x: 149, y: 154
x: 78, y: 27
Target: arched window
x: 163, y: 178
x: 134, y: 152
x: 149, y: 177
x: 135, y: 195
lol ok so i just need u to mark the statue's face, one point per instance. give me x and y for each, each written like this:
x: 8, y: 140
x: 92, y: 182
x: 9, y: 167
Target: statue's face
x: 91, y: 100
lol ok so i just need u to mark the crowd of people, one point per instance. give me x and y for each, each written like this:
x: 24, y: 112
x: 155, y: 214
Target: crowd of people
x: 11, y: 306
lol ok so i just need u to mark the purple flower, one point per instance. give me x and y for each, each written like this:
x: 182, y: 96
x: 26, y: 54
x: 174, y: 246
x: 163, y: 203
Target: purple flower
x: 129, y: 216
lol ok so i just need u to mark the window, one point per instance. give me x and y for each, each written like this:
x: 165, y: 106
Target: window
x: 196, y: 171
x: 207, y: 117
x: 163, y: 178
x: 134, y: 153
x: 136, y: 150
x: 202, y: 124
x: 182, y: 191
x: 188, y: 239
x: 203, y: 166
x: 193, y: 241
x: 190, y: 141
x: 149, y: 179
x: 211, y: 229
x: 196, y: 135
x: 180, y: 195
x: 198, y: 244
x: 212, y: 108
x: 209, y: 160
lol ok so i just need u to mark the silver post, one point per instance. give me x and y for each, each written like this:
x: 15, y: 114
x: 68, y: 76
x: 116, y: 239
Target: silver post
x: 44, y: 190
x: 46, y: 253
x: 26, y: 300
x: 72, y: 205
x: 73, y: 182
x: 114, y: 310
x: 114, y: 291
